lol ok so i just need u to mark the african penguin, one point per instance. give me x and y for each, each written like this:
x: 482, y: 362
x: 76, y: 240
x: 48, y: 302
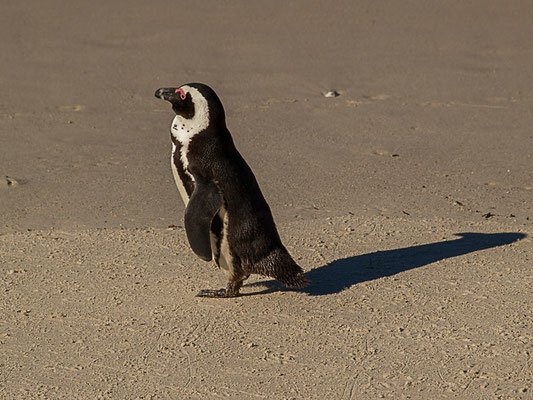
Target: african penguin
x: 226, y: 217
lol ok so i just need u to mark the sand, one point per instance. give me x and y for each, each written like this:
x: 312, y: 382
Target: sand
x: 407, y: 199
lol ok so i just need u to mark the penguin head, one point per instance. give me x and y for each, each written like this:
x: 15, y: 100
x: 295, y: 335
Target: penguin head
x: 196, y: 105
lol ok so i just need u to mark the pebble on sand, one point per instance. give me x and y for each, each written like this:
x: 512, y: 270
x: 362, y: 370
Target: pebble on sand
x: 332, y: 93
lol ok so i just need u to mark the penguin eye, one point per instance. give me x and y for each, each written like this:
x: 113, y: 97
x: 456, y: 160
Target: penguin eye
x: 181, y: 92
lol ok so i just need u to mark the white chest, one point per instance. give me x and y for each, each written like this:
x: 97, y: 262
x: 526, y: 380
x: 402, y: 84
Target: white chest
x: 182, y: 133
x: 177, y: 179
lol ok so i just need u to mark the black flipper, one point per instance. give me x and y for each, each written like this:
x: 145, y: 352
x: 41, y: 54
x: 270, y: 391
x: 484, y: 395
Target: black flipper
x: 204, y: 203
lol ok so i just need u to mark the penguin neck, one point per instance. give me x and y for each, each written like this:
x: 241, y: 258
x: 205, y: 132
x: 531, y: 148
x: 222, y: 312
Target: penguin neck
x: 183, y: 129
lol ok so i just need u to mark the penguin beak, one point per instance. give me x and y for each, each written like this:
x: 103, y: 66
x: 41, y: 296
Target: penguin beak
x: 168, y: 94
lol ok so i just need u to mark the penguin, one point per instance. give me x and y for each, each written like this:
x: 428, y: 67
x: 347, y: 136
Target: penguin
x: 227, y: 219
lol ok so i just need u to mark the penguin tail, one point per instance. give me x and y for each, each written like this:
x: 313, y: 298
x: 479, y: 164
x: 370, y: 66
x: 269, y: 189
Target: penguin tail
x: 280, y: 266
x: 297, y: 281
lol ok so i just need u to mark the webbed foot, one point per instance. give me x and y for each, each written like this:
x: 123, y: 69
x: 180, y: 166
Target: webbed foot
x: 232, y: 290
x: 215, y: 293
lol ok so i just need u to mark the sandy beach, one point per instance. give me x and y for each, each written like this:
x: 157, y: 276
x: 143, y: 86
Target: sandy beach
x: 407, y: 199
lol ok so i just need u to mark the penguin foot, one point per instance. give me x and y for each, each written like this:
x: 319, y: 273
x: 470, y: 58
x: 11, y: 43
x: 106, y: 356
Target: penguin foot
x: 215, y: 293
x: 232, y: 290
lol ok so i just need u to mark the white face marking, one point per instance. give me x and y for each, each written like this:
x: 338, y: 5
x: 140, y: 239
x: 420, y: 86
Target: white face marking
x: 184, y: 129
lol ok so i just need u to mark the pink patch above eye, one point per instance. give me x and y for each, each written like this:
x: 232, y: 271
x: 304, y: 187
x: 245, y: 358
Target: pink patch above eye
x: 181, y: 92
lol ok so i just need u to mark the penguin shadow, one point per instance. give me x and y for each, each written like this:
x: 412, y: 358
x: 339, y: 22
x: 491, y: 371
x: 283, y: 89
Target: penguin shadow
x: 343, y: 273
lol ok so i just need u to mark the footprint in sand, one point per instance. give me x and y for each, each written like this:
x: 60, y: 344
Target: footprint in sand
x: 69, y: 108
x: 384, y: 153
x: 369, y: 99
x: 504, y: 186
x: 458, y: 104
x: 379, y: 97
x: 11, y: 115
